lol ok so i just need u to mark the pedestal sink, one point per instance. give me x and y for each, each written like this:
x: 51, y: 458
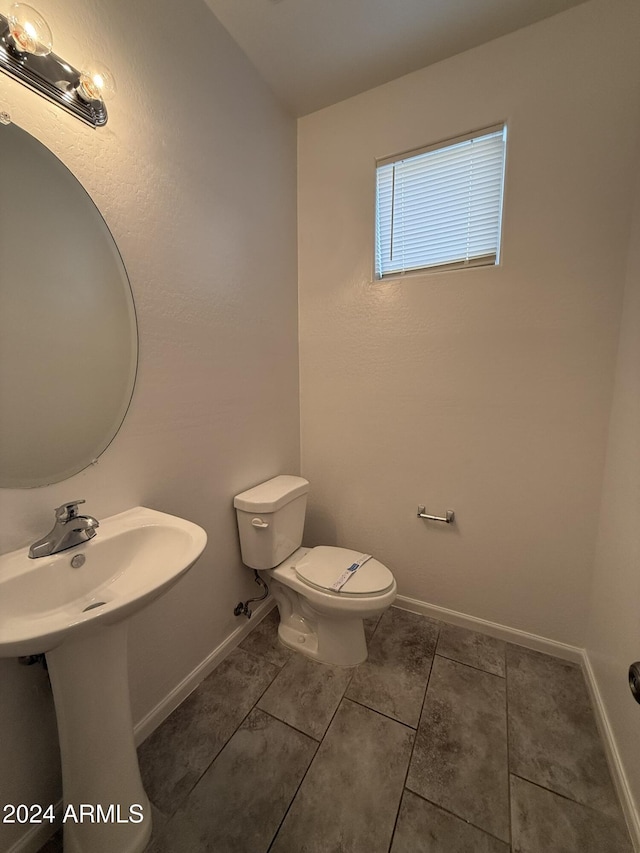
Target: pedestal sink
x: 78, y: 617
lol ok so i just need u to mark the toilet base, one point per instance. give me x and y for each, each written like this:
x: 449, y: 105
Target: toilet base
x: 337, y: 640
x: 340, y: 643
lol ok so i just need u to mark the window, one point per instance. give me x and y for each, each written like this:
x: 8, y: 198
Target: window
x: 441, y: 206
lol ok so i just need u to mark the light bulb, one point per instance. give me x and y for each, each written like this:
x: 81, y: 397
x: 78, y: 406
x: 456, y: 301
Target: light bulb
x: 29, y: 30
x: 96, y: 83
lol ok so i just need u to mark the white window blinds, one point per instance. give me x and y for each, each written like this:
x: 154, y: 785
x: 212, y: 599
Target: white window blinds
x: 441, y: 205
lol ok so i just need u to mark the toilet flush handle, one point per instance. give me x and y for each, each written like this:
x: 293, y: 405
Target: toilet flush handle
x: 258, y: 522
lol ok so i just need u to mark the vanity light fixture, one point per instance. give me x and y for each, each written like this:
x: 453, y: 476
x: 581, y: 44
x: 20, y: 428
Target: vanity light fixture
x: 25, y: 54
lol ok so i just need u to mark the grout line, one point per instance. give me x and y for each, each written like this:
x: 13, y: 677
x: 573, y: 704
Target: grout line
x: 412, y: 730
x: 223, y: 746
x: 374, y: 630
x: 621, y: 820
x: 344, y: 698
x: 506, y: 708
x: 458, y: 817
x: 288, y: 809
x: 315, y: 739
x: 403, y: 789
x: 253, y: 708
x: 592, y: 809
x: 263, y: 659
x: 320, y: 742
x: 380, y: 713
x: 413, y: 745
x: 395, y: 822
x: 304, y: 776
x: 471, y: 666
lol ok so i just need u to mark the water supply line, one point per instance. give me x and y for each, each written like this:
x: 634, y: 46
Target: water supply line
x: 242, y: 607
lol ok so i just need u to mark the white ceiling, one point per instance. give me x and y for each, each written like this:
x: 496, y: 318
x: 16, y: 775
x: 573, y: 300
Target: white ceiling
x: 317, y: 52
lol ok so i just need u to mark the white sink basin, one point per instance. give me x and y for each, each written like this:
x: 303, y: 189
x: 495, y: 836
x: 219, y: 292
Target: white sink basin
x: 78, y: 617
x: 135, y: 557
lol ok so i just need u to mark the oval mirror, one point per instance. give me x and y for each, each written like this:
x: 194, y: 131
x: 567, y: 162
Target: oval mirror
x: 68, y: 335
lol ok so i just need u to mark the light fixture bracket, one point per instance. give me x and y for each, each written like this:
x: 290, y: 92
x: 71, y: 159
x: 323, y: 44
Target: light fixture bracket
x: 49, y: 76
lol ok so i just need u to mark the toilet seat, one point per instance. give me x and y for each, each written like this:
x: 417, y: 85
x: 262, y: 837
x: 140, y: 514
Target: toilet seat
x: 321, y: 567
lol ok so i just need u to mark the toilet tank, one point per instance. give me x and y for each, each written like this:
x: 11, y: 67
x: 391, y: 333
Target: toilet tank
x: 271, y: 520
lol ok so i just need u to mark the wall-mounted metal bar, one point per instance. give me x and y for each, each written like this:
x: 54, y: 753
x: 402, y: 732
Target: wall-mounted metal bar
x: 49, y: 76
x: 448, y: 517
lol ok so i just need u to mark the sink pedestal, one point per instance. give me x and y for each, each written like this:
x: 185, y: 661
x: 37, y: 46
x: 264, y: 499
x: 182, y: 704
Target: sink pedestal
x: 89, y: 678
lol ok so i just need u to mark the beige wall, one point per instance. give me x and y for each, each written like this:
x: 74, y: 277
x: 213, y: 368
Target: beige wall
x: 487, y: 390
x: 613, y: 638
x: 195, y: 175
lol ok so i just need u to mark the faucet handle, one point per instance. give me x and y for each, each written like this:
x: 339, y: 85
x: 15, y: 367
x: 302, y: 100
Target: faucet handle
x: 67, y: 511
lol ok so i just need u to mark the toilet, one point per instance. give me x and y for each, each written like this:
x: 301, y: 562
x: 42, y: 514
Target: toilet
x: 322, y: 623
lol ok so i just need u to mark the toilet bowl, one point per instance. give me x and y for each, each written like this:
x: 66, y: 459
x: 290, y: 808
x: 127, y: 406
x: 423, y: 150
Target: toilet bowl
x: 322, y: 623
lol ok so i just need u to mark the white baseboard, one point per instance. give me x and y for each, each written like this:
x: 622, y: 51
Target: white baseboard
x: 566, y: 652
x: 157, y: 715
x: 38, y: 835
x: 494, y: 629
x: 613, y: 754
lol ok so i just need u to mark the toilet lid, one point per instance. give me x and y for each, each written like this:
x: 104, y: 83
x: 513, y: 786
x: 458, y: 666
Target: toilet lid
x: 322, y: 566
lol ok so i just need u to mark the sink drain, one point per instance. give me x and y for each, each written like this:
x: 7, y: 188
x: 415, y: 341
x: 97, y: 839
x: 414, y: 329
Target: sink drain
x: 94, y: 605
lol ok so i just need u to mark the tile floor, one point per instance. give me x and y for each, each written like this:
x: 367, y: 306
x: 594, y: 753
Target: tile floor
x: 443, y: 741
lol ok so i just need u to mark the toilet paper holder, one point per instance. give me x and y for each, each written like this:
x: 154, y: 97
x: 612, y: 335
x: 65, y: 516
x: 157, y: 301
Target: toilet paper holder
x: 448, y: 517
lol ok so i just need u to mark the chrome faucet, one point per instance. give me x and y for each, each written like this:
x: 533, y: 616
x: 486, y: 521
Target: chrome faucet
x: 70, y: 529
